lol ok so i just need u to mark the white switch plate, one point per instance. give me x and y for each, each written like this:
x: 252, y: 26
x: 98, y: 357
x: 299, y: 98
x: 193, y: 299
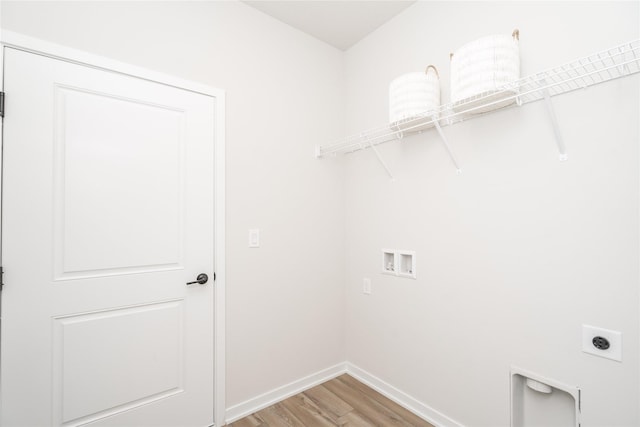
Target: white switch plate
x: 254, y: 238
x: 366, y: 286
x: 614, y: 352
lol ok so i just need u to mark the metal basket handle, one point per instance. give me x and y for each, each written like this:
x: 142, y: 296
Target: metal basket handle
x: 434, y: 69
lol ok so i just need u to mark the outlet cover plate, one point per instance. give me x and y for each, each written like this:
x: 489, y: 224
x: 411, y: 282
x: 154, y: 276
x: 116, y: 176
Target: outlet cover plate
x: 614, y: 352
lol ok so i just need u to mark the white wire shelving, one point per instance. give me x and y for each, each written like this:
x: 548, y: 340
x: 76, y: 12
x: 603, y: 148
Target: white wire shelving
x: 619, y: 61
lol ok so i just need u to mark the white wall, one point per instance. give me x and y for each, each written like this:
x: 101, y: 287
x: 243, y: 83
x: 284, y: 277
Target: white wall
x: 513, y: 255
x: 284, y: 95
x: 517, y: 252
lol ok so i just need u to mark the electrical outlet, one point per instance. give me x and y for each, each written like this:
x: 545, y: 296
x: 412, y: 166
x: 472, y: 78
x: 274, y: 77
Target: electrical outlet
x: 602, y: 342
x: 366, y: 286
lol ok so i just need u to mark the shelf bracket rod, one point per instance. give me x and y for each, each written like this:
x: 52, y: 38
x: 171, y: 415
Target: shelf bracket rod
x: 381, y: 160
x: 436, y: 122
x: 554, y: 123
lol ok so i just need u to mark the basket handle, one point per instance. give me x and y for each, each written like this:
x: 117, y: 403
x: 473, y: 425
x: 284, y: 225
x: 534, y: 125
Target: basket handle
x: 434, y: 69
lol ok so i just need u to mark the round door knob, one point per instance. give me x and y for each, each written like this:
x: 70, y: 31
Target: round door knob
x: 201, y: 279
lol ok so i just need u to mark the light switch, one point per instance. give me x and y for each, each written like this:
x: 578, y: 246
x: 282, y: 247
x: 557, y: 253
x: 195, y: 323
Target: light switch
x: 254, y: 238
x: 366, y: 286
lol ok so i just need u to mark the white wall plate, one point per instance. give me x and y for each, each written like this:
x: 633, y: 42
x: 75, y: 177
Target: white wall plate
x: 614, y: 339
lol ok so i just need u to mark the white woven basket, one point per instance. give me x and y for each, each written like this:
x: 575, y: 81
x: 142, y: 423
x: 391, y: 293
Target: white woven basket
x: 411, y: 96
x: 480, y: 68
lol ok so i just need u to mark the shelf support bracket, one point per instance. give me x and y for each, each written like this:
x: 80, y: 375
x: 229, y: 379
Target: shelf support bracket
x: 436, y: 122
x: 381, y: 160
x: 554, y: 123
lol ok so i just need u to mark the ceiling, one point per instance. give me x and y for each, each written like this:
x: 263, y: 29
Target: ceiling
x: 341, y: 23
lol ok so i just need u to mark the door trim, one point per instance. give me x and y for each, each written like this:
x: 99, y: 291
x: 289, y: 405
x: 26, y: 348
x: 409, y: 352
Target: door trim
x: 52, y: 50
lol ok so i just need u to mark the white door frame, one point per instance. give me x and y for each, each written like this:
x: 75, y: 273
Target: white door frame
x: 41, y: 47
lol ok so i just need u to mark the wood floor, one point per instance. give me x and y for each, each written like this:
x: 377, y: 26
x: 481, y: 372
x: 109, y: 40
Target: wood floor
x: 342, y: 401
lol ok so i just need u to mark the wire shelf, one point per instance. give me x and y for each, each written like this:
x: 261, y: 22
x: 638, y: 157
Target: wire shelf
x: 610, y: 64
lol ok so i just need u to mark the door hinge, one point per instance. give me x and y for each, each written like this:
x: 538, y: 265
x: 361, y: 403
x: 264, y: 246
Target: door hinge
x: 1, y: 104
x: 1, y: 277
x: 214, y: 276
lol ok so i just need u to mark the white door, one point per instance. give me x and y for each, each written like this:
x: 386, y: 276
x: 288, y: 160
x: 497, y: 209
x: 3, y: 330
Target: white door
x: 107, y: 213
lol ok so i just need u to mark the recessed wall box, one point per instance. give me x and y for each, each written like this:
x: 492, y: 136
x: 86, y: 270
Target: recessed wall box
x: 406, y: 264
x: 388, y: 261
x: 399, y: 263
x: 540, y: 401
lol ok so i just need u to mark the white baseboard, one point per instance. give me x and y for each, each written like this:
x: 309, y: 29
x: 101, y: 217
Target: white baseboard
x: 276, y: 395
x: 401, y: 398
x: 269, y: 398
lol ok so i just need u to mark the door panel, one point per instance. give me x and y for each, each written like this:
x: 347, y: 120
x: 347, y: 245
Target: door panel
x: 109, y: 192
x: 101, y: 348
x: 107, y: 213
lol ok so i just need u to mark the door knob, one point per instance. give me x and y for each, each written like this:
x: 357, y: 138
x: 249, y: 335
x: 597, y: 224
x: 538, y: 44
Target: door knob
x: 201, y: 279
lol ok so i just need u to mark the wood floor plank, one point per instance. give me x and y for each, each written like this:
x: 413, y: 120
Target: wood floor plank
x: 250, y: 421
x: 365, y: 405
x: 278, y: 415
x: 355, y: 419
x: 407, y: 415
x: 340, y: 402
x: 307, y: 412
x: 328, y: 402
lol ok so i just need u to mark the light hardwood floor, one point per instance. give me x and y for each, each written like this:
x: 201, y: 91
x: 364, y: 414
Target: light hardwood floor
x: 342, y: 401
